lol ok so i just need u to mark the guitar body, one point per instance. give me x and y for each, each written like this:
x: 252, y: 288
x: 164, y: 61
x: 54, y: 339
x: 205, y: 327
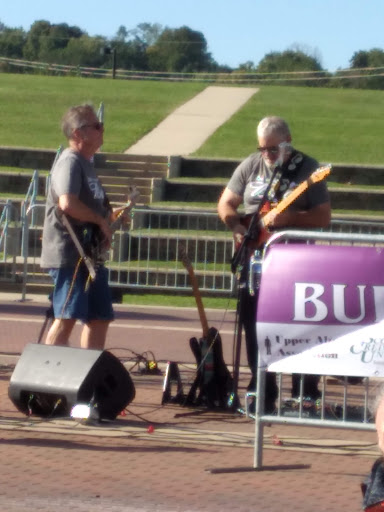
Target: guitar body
x: 92, y: 238
x: 267, y: 213
x: 213, y: 379
x: 261, y: 233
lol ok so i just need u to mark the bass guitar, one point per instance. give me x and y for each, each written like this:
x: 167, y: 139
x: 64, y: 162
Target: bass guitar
x: 268, y: 214
x: 213, y: 378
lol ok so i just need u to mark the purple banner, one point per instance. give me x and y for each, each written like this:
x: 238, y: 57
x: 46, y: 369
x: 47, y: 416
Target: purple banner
x: 322, y: 284
x: 315, y: 294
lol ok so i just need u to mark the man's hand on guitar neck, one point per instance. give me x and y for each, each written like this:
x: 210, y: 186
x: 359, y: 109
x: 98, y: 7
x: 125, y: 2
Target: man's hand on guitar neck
x: 121, y: 214
x: 280, y: 220
x: 105, y: 232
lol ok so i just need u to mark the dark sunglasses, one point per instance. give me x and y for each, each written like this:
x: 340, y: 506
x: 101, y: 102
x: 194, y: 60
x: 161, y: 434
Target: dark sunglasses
x: 96, y: 126
x: 271, y: 149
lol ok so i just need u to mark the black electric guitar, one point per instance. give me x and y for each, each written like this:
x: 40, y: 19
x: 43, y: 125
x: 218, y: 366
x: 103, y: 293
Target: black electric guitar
x: 213, y: 378
x: 92, y: 239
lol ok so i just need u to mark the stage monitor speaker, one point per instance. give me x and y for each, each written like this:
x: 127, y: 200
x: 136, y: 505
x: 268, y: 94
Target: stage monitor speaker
x: 49, y: 380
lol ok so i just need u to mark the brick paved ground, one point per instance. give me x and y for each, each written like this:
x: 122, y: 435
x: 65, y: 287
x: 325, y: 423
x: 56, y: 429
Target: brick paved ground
x: 50, y: 465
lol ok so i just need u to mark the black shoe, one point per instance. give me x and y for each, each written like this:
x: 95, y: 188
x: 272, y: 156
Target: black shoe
x: 251, y: 388
x: 355, y: 380
x: 269, y: 406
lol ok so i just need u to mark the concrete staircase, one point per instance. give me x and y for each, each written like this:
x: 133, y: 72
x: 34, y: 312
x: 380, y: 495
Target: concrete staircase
x: 352, y: 187
x: 175, y: 184
x: 118, y: 171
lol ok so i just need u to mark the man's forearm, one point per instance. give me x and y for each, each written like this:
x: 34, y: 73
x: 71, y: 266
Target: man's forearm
x: 72, y: 206
x: 232, y: 220
x: 228, y: 214
x: 318, y: 217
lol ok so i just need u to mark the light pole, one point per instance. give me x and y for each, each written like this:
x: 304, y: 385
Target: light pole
x: 111, y: 51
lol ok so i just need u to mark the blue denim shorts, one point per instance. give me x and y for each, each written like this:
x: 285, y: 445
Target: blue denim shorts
x: 72, y: 298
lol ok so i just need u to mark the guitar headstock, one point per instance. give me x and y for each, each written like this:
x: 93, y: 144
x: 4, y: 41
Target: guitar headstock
x: 321, y: 173
x: 133, y: 194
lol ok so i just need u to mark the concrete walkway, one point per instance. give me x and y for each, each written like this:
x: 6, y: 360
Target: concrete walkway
x: 189, y: 126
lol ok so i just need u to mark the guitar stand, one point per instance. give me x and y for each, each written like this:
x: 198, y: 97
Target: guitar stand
x: 172, y: 378
x: 212, y: 383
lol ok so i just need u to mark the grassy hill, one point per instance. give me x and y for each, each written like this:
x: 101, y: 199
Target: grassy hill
x: 335, y: 125
x: 32, y: 106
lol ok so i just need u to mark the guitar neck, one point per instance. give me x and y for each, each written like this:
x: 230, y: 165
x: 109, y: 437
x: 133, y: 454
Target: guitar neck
x: 124, y: 209
x: 199, y: 302
x: 283, y: 205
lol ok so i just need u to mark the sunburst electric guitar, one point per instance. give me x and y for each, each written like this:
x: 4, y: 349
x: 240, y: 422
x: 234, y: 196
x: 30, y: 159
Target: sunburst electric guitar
x: 268, y: 214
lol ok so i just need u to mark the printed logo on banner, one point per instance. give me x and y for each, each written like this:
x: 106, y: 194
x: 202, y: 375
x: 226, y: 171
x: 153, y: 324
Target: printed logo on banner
x: 312, y: 294
x: 359, y: 353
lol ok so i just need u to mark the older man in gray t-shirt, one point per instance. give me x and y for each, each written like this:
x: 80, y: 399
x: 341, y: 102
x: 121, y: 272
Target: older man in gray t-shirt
x: 76, y: 192
x: 73, y: 175
x: 269, y: 174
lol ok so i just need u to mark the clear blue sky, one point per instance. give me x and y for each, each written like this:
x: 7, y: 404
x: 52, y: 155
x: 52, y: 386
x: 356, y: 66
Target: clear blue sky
x: 236, y: 30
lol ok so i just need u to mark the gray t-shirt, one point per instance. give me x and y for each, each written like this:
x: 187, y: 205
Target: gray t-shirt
x: 250, y: 180
x: 72, y: 174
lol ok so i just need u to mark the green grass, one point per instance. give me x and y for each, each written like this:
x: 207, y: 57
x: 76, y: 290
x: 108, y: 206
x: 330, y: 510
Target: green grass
x: 361, y: 213
x: 355, y: 187
x: 32, y: 106
x: 170, y: 265
x: 185, y: 205
x: 333, y: 125
x: 7, y: 195
x: 178, y: 301
x: 19, y: 170
x: 197, y: 180
x: 182, y: 233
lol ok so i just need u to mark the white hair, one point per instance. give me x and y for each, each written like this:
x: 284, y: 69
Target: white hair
x: 273, y: 125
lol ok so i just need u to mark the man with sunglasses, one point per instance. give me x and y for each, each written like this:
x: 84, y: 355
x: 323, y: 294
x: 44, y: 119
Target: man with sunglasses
x: 276, y: 168
x: 76, y: 192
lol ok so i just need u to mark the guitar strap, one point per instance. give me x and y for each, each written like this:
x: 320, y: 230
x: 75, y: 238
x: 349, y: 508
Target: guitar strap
x: 79, y: 247
x: 288, y: 171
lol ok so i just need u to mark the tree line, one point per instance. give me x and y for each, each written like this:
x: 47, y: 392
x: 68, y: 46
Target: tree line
x: 152, y: 47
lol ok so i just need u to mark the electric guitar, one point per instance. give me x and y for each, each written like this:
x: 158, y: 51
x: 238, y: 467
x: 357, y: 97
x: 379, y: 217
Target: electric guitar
x: 268, y: 215
x: 92, y: 238
x: 213, y: 377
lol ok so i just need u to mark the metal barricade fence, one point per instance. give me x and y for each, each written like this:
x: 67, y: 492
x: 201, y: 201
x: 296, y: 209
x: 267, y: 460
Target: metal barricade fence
x: 372, y: 227
x: 147, y: 255
x: 30, y: 249
x: 9, y: 231
x: 353, y: 408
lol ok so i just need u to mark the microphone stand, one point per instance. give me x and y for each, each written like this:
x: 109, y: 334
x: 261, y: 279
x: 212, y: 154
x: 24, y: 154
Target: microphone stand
x: 239, y: 267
